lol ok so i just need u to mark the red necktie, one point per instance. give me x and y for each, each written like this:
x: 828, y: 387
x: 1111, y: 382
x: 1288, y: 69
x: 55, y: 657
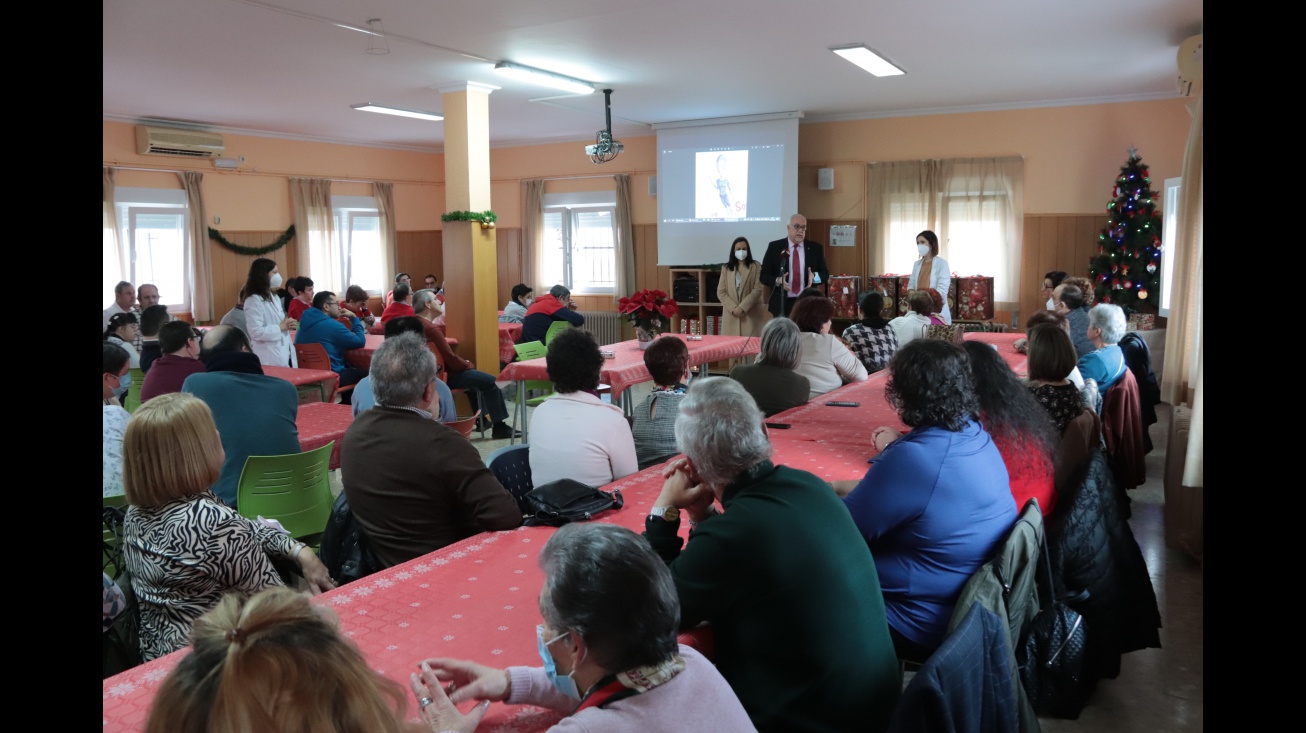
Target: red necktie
x: 795, y: 271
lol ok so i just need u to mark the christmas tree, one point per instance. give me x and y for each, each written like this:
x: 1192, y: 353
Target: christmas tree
x: 1127, y: 267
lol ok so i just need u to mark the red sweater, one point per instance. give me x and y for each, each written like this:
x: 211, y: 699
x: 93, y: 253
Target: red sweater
x: 296, y: 308
x: 395, y: 310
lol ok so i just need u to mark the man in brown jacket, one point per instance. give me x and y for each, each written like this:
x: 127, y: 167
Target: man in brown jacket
x: 414, y: 484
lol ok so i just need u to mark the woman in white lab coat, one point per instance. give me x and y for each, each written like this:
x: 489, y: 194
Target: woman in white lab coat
x: 271, y: 333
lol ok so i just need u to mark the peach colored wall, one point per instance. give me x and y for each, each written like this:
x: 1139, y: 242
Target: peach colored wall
x: 1071, y: 156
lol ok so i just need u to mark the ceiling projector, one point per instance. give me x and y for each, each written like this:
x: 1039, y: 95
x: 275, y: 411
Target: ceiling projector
x: 604, y: 147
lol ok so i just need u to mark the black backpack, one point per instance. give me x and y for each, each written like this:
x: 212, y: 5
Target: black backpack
x: 344, y: 549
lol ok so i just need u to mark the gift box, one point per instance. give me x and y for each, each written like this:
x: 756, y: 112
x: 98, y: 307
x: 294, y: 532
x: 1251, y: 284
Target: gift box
x: 974, y: 301
x: 844, y: 290
x: 1142, y: 322
x: 904, y: 291
x: 886, y: 285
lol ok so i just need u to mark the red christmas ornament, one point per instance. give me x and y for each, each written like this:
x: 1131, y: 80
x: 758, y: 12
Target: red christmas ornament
x: 1142, y: 293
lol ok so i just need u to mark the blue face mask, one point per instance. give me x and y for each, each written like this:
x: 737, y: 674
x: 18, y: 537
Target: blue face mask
x: 124, y: 382
x: 565, y: 684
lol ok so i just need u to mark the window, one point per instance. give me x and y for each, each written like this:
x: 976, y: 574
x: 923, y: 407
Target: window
x: 358, y: 243
x: 1170, y: 222
x: 580, y: 241
x: 154, y: 233
x: 971, y: 240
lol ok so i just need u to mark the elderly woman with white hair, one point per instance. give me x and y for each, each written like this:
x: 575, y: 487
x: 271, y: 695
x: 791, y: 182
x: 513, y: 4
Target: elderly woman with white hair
x: 772, y: 381
x: 608, y: 646
x: 1106, y: 363
x: 782, y: 575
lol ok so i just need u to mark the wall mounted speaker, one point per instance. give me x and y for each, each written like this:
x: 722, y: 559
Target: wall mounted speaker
x: 825, y: 179
x: 652, y: 185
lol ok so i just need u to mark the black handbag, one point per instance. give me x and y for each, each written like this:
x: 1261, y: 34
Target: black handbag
x: 1051, y: 656
x: 566, y: 500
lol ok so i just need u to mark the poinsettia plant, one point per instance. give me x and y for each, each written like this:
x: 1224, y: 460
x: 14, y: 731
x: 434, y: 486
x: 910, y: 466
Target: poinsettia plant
x: 649, y: 310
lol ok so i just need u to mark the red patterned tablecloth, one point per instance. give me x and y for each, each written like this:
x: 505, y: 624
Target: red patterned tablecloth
x: 1005, y: 342
x: 322, y: 422
x: 628, y: 366
x: 327, y: 380
x: 508, y: 335
x: 477, y: 599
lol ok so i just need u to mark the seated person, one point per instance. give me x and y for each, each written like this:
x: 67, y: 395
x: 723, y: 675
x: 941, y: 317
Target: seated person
x: 236, y: 316
x: 237, y: 670
x: 1105, y: 364
x: 399, y: 306
x: 1019, y: 426
x: 400, y: 278
x: 1050, y: 281
x: 365, y: 400
x: 515, y: 310
x: 152, y: 319
x: 574, y: 434
x: 319, y: 325
x: 184, y: 548
x: 826, y: 362
x: 122, y: 330
x: 302, y: 287
x: 356, y: 303
x: 936, y: 503
x: 914, y: 323
x: 610, y: 615
x: 872, y: 340
x: 180, y: 343
x: 784, y: 557
x: 463, y: 374
x: 414, y: 484
x: 1070, y: 303
x: 255, y: 413
x: 772, y: 381
x: 936, y: 302
x: 556, y: 305
x: 654, y: 427
x: 115, y: 417
x: 432, y: 282
x: 1050, y: 353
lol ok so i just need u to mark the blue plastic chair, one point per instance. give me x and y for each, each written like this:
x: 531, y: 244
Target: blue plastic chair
x: 511, y: 465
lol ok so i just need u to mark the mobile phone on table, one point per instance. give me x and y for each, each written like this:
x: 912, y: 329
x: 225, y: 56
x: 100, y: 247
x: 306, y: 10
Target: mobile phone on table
x: 843, y: 404
x: 778, y: 425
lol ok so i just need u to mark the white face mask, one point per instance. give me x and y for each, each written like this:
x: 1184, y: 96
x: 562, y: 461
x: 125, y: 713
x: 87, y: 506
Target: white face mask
x: 529, y: 300
x: 741, y: 254
x: 276, y: 280
x: 922, y: 249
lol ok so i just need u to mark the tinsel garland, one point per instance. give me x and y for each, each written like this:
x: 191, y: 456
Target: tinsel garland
x: 216, y: 236
x: 486, y: 218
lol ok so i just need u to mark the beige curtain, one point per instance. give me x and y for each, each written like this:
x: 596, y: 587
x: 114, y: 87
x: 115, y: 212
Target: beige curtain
x: 199, y: 265
x: 315, y: 231
x: 532, y: 232
x: 1181, y: 375
x: 958, y: 199
x: 116, y: 266
x: 625, y: 241
x: 385, y: 204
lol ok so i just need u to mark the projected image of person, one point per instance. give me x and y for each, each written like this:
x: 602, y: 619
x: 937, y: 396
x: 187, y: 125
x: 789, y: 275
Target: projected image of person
x: 723, y: 183
x: 722, y: 188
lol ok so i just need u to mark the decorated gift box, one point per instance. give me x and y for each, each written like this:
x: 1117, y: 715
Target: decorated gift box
x: 844, y: 290
x: 1142, y: 322
x: 903, y: 292
x: 887, y: 285
x: 974, y: 301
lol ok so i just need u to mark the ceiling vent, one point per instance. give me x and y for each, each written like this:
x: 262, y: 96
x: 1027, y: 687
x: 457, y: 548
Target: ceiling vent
x: 173, y: 141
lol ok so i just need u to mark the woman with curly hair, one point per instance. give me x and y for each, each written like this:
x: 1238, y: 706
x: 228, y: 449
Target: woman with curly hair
x: 935, y: 504
x: 1020, y: 426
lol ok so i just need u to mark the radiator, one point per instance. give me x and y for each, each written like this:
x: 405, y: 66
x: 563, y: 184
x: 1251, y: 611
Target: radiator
x: 605, y: 326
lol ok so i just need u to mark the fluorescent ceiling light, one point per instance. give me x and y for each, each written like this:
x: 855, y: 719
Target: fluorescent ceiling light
x: 544, y: 78
x: 400, y: 111
x: 868, y: 60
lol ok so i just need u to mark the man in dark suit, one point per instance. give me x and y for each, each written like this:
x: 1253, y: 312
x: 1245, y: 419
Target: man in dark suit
x: 792, y: 264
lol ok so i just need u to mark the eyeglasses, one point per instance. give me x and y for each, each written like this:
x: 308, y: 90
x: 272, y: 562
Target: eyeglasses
x: 798, y: 226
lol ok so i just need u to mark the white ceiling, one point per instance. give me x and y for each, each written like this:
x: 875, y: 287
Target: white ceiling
x: 284, y: 68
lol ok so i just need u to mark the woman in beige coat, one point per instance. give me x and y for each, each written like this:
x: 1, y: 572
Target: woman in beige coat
x: 740, y: 292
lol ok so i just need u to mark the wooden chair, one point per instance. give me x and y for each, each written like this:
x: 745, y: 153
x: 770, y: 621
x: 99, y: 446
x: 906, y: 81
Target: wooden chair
x: 314, y: 356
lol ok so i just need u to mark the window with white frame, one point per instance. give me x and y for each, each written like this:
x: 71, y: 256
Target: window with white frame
x: 580, y: 241
x: 972, y: 241
x: 154, y: 231
x: 358, y: 243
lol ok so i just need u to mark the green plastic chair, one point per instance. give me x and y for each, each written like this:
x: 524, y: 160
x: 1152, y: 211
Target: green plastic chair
x: 555, y: 328
x: 533, y: 350
x: 132, y: 399
x: 293, y: 489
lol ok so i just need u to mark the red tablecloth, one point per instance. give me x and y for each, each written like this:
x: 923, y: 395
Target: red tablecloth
x: 628, y: 366
x: 362, y: 357
x: 1005, y: 342
x: 508, y: 335
x: 322, y: 422
x: 477, y: 599
x: 327, y: 380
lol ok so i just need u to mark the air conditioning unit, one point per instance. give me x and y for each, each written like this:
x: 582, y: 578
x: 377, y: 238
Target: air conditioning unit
x: 173, y: 141
x: 1190, y: 65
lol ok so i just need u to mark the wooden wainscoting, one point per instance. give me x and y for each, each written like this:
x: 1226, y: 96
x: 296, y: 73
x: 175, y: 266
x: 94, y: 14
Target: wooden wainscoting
x: 1054, y: 242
